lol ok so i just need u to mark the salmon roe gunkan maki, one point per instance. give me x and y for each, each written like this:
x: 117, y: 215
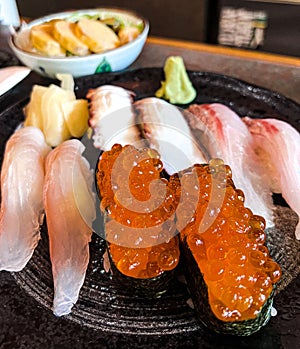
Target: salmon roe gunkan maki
x: 139, y: 207
x: 232, y: 271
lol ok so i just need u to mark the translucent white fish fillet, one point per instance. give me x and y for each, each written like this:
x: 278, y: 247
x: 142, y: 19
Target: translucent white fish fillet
x: 112, y: 117
x: 70, y: 210
x: 168, y: 132
x: 22, y: 180
x: 278, y: 145
x: 227, y: 137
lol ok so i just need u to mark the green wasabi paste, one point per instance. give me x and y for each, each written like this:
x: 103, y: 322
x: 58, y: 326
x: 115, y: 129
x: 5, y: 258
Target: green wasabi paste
x: 177, y: 88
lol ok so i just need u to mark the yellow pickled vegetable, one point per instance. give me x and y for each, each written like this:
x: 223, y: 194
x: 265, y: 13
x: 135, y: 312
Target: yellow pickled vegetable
x: 96, y: 35
x: 42, y: 39
x: 64, y: 33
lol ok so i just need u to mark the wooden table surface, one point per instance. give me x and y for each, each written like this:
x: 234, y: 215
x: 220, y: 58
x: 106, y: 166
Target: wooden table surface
x: 275, y: 72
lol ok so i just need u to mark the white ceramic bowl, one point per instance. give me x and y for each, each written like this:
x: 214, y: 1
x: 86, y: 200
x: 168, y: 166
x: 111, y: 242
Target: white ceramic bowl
x: 113, y: 60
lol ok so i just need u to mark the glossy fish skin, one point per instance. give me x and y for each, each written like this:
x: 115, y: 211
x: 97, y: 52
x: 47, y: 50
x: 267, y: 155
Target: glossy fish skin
x: 167, y: 131
x: 112, y: 117
x: 227, y: 137
x: 22, y: 180
x: 70, y: 210
x: 278, y: 146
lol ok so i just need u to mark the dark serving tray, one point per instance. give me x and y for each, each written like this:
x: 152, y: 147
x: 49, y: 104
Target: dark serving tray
x: 113, y: 315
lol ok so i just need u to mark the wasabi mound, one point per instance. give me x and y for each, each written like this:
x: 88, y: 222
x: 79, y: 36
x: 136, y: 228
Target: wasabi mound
x: 177, y: 88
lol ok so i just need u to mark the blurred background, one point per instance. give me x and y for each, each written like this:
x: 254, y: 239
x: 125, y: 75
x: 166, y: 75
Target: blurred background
x: 270, y: 26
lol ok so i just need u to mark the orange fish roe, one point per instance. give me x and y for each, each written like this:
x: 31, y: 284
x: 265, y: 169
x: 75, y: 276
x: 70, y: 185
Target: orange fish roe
x: 140, y: 206
x: 228, y: 244
x: 145, y: 263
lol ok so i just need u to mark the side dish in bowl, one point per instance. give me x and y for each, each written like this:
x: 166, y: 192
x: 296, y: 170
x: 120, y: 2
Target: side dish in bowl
x: 81, y: 43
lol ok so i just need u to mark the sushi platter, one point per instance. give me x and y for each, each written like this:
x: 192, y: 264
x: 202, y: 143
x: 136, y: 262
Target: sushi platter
x: 101, y: 305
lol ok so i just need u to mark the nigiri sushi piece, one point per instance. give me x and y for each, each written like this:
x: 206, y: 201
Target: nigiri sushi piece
x: 22, y: 180
x: 112, y: 117
x: 225, y: 136
x: 278, y: 145
x: 70, y: 210
x: 168, y: 132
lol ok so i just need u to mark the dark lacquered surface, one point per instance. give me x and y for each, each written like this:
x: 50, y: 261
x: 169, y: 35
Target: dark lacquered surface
x: 26, y: 324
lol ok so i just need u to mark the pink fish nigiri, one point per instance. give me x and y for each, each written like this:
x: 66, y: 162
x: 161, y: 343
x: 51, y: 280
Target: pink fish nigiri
x: 22, y: 180
x: 227, y: 137
x: 278, y: 146
x: 70, y: 210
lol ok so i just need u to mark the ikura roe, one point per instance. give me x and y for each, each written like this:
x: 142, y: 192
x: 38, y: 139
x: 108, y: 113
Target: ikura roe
x: 139, y: 205
x: 227, y: 242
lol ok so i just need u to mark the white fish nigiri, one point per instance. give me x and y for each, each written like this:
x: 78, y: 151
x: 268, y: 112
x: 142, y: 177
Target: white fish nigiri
x: 70, y: 210
x: 22, y: 180
x: 227, y: 137
x: 278, y: 146
x: 167, y: 131
x: 112, y: 117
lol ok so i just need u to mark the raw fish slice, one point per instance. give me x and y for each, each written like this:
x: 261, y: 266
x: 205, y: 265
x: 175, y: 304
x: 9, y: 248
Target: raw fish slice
x: 22, y: 180
x: 70, y: 210
x: 278, y: 146
x: 111, y: 117
x: 227, y: 137
x: 168, y: 132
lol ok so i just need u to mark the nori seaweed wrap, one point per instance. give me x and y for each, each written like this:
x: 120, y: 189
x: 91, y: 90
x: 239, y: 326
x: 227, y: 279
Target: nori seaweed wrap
x: 229, y: 272
x: 199, y: 294
x: 138, y: 218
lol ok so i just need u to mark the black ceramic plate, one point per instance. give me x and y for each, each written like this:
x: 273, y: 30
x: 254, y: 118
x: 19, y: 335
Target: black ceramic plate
x: 100, y: 305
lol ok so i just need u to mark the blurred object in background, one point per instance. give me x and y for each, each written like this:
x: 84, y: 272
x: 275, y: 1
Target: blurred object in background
x: 271, y: 26
x: 242, y: 28
x: 168, y: 18
x: 9, y: 18
x: 9, y: 14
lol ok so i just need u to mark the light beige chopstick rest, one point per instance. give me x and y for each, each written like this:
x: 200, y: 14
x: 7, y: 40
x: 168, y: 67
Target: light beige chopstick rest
x: 11, y: 76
